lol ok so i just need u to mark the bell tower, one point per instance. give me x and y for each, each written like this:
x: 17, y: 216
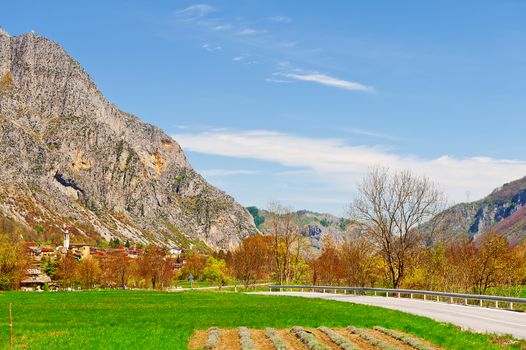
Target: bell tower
x: 65, y: 228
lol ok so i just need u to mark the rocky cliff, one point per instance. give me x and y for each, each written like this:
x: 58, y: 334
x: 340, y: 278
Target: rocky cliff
x: 503, y: 211
x: 70, y: 156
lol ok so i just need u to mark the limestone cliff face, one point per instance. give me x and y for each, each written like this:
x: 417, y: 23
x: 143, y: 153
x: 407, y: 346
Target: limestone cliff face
x: 502, y: 211
x: 69, y: 155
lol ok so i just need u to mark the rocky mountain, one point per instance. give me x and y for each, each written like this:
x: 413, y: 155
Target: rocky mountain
x: 314, y: 226
x: 70, y: 156
x: 504, y: 211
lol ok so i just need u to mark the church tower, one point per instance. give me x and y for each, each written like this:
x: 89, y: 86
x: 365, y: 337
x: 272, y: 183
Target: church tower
x: 66, y: 237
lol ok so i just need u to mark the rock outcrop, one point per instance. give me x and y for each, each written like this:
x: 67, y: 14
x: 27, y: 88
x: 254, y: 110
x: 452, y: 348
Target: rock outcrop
x: 503, y: 211
x: 69, y: 155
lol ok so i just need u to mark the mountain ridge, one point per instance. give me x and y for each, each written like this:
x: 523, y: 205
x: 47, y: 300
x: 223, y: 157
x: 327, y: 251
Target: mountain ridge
x: 73, y: 156
x: 313, y: 225
x: 503, y: 211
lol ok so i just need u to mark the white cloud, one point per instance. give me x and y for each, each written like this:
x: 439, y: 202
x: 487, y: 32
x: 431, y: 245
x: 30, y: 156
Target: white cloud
x: 250, y: 31
x: 194, y: 12
x: 327, y: 80
x: 277, y: 80
x: 222, y: 27
x: 288, y: 44
x: 280, y: 19
x: 226, y: 172
x: 211, y: 48
x: 238, y: 58
x: 341, y: 165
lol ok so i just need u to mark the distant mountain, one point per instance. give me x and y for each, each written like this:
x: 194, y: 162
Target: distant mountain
x: 68, y: 155
x: 504, y: 211
x: 313, y: 225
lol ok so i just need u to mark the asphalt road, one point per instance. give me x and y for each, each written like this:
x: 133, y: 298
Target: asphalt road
x: 475, y: 318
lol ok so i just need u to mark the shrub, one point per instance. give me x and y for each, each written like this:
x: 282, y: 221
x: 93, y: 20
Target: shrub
x: 403, y: 338
x: 338, y: 339
x: 213, y: 338
x: 245, y: 339
x: 372, y: 339
x: 274, y: 337
x: 309, y: 339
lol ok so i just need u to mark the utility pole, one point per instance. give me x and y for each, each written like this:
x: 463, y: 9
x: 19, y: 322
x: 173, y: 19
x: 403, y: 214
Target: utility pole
x: 10, y: 328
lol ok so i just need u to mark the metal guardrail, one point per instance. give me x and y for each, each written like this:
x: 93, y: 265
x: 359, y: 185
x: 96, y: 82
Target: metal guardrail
x: 235, y: 286
x: 409, y: 292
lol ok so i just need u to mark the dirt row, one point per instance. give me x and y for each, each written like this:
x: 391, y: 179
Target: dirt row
x: 229, y: 340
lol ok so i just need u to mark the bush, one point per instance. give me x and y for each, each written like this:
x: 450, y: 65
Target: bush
x: 338, y: 339
x: 213, y: 338
x: 245, y: 339
x: 403, y: 338
x: 275, y: 339
x: 309, y: 339
x: 372, y: 339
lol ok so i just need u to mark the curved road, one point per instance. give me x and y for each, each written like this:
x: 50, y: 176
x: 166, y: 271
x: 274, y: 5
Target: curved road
x: 468, y: 317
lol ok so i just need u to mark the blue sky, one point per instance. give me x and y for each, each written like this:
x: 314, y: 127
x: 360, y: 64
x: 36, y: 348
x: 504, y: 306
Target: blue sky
x: 295, y: 100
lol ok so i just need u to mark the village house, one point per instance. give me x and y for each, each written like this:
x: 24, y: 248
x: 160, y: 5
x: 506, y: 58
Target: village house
x: 35, y: 280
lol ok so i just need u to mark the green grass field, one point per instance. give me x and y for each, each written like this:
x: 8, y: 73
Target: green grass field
x: 160, y: 320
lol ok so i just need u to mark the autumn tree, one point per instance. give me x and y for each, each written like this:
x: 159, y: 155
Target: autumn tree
x: 493, y: 262
x: 67, y: 270
x: 253, y: 259
x: 155, y: 267
x: 89, y: 272
x: 116, y: 269
x: 13, y: 262
x: 327, y: 267
x: 391, y: 207
x: 360, y: 265
x: 194, y: 265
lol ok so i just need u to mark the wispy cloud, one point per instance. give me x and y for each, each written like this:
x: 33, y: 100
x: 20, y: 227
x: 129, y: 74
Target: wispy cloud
x: 226, y: 172
x: 239, y: 58
x: 277, y: 80
x: 369, y: 133
x: 250, y: 31
x: 280, y: 19
x: 288, y: 44
x: 342, y: 165
x: 327, y: 80
x: 222, y: 27
x: 194, y: 12
x: 211, y: 48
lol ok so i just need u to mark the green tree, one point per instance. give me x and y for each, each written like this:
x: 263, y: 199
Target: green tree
x: 115, y: 242
x: 50, y: 267
x: 325, y: 222
x: 215, y: 271
x: 258, y: 219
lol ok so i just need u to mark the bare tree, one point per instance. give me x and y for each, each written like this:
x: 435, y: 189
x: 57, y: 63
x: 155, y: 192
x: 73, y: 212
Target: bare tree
x: 287, y: 242
x: 391, y: 207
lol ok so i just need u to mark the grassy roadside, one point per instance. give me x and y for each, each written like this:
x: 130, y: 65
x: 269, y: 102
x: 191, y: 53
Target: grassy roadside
x: 157, y: 320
